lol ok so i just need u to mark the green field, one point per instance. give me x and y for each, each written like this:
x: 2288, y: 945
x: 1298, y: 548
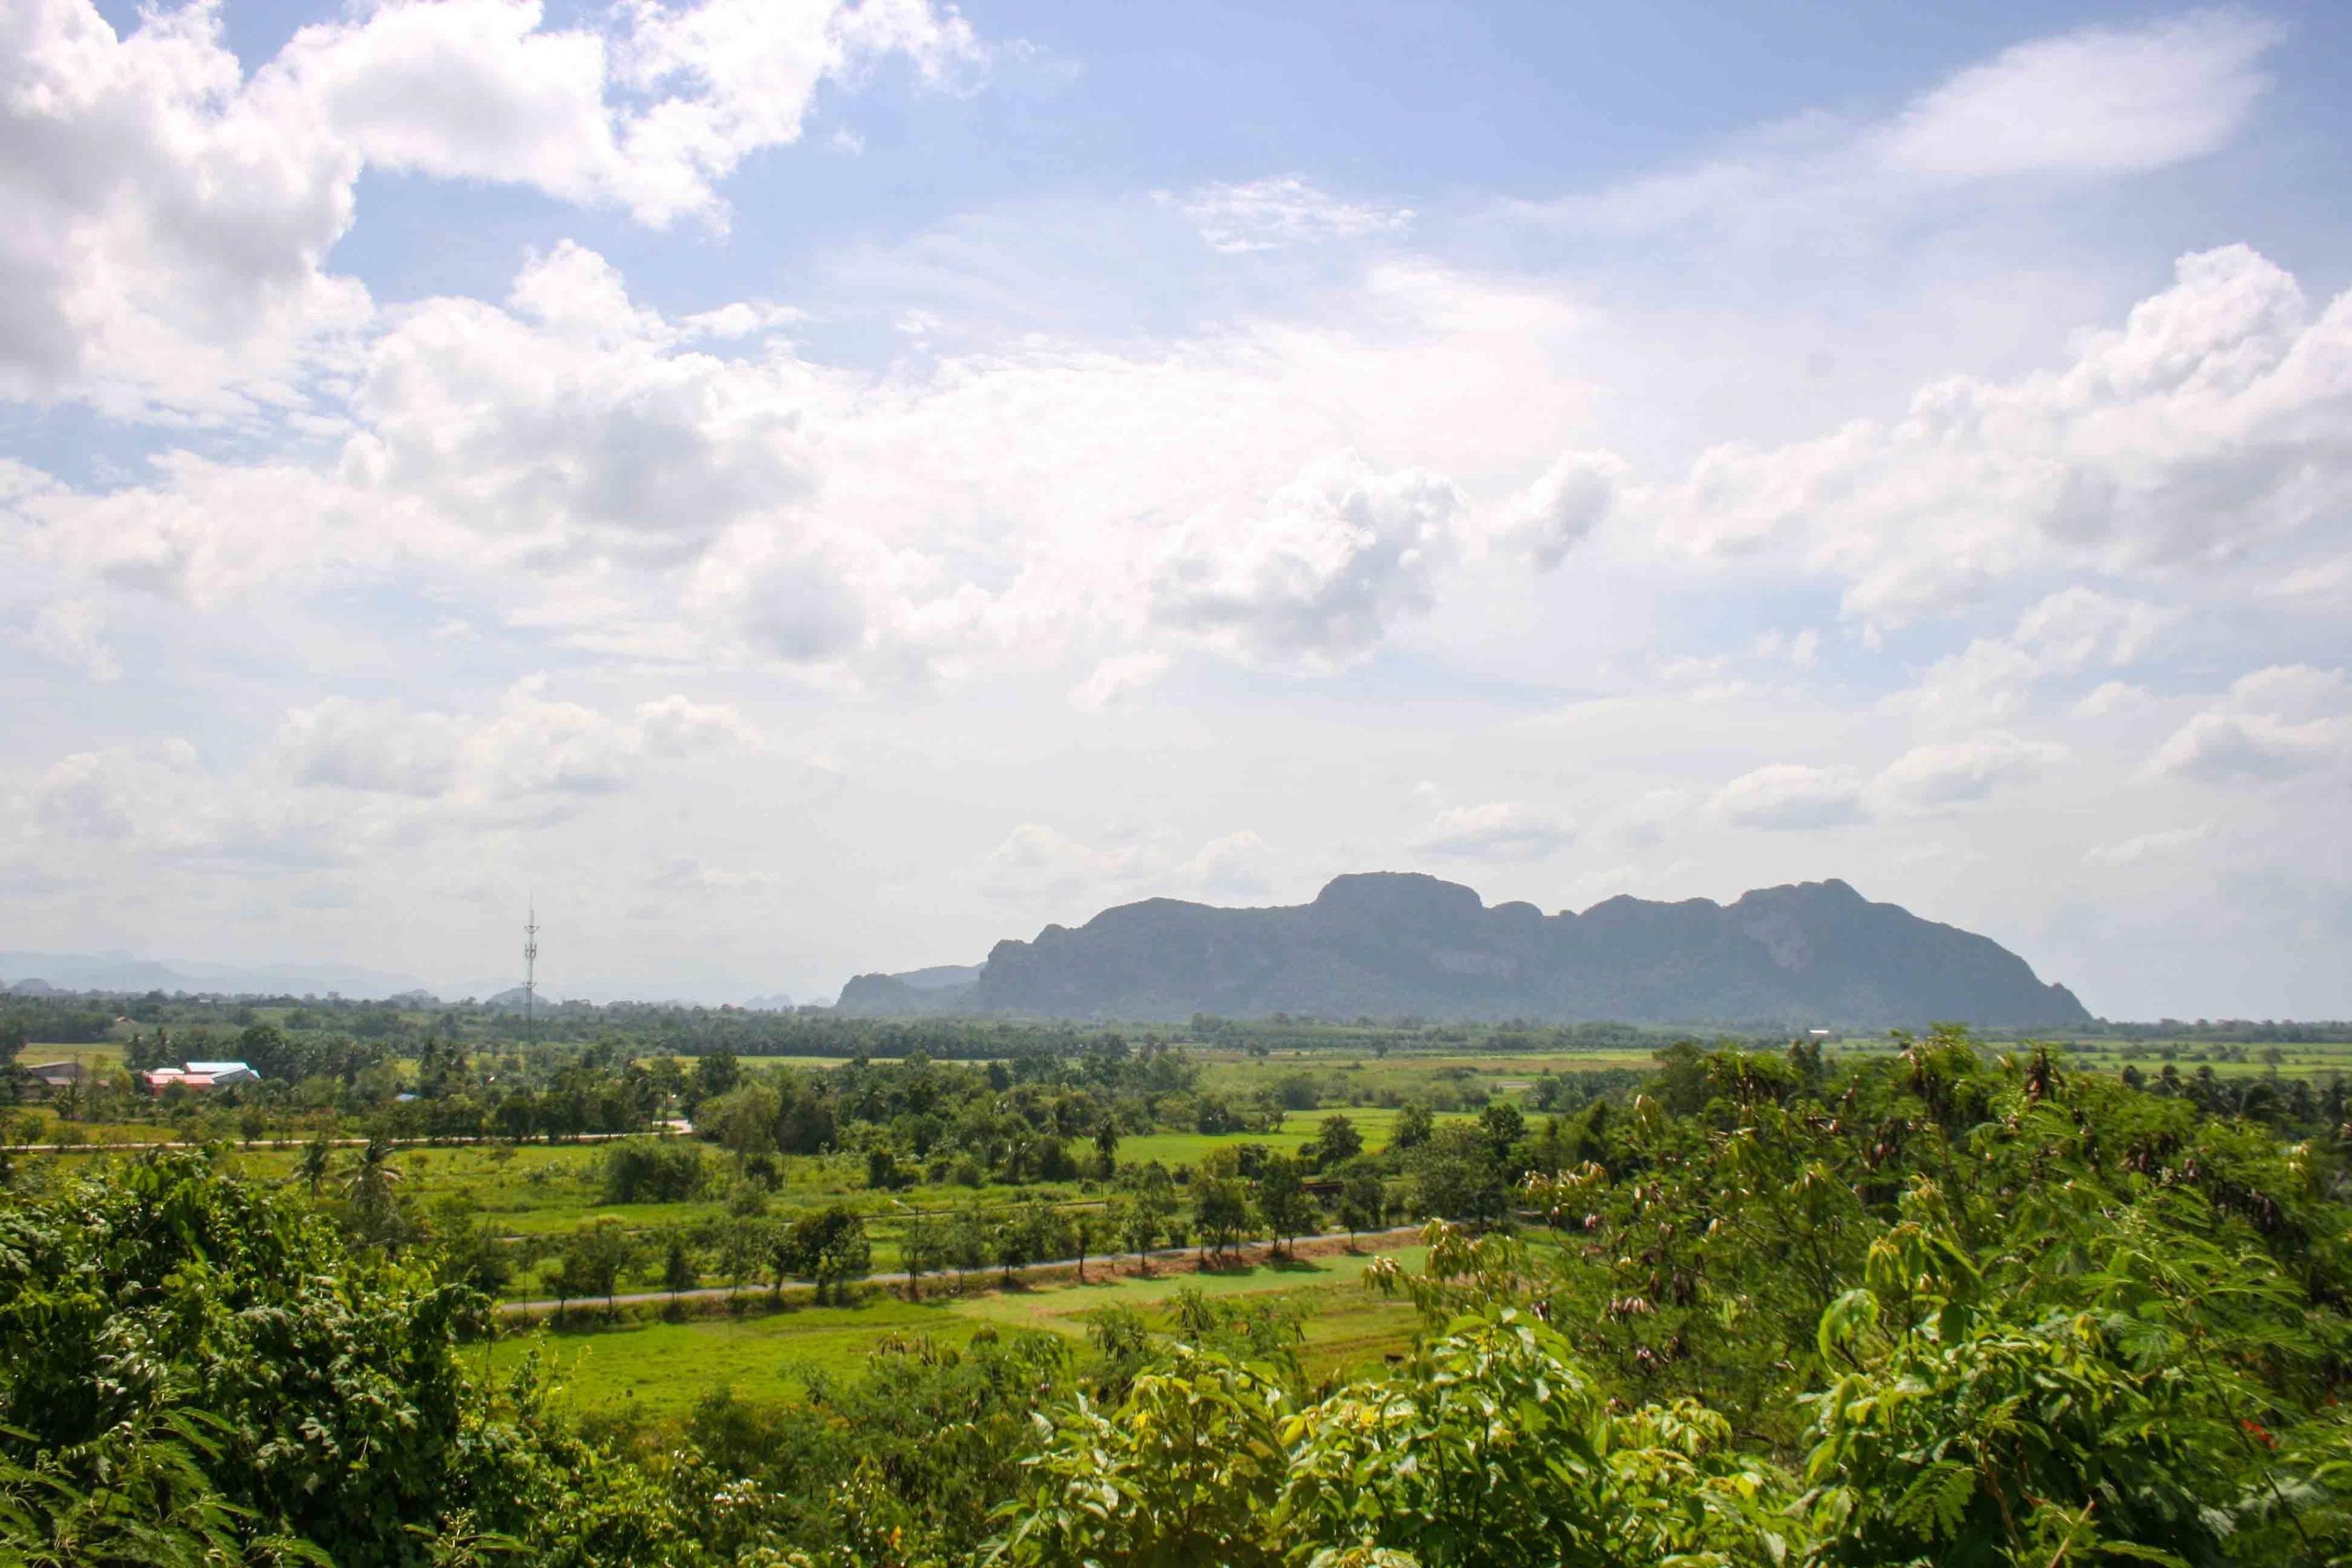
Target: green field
x: 663, y: 1368
x: 106, y: 1054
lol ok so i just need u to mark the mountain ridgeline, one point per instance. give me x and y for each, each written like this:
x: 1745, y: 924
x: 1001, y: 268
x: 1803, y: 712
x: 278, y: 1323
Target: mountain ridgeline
x: 1395, y: 944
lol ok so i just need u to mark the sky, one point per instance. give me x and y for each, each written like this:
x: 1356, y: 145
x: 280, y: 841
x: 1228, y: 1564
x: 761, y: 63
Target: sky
x: 798, y: 489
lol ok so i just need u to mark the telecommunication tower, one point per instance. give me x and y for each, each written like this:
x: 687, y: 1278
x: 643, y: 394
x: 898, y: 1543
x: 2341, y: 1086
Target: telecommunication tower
x: 531, y: 972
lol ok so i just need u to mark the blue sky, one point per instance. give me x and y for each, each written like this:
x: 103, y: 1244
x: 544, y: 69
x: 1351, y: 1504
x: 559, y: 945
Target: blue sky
x: 811, y: 487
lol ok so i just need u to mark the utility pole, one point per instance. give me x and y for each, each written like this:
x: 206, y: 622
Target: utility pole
x: 531, y: 972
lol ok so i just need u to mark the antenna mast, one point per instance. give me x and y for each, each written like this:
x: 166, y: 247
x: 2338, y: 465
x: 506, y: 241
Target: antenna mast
x: 531, y: 971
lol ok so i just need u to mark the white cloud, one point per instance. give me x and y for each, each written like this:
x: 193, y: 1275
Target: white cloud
x: 154, y: 804
x: 572, y: 427
x: 1650, y: 817
x: 171, y: 218
x: 1117, y: 677
x: 2095, y: 104
x: 1551, y: 517
x: 2212, y: 423
x: 1802, y: 651
x: 676, y: 726
x: 1038, y: 865
x: 75, y: 799
x: 688, y: 875
x: 2077, y: 627
x: 652, y: 116
x: 1036, y: 862
x: 2322, y: 580
x: 643, y: 497
x: 2101, y: 101
x: 1317, y: 575
x: 2113, y: 697
x: 377, y: 747
x: 2148, y: 846
x: 1952, y: 773
x: 71, y: 632
x: 202, y: 532
x: 1278, y: 211
x: 1499, y: 831
x: 1238, y: 865
x: 1992, y: 679
x: 739, y: 75
x: 529, y: 748
x: 2274, y: 723
x: 1790, y: 794
x: 165, y: 228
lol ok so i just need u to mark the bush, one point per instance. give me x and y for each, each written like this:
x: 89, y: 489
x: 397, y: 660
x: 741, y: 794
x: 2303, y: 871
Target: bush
x: 652, y: 1171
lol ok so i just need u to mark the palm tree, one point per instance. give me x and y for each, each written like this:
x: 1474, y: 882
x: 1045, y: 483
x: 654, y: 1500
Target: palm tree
x: 313, y: 1167
x: 369, y: 1189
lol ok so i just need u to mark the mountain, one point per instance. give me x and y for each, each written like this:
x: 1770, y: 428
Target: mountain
x: 1395, y: 944
x: 941, y: 988
x: 120, y: 972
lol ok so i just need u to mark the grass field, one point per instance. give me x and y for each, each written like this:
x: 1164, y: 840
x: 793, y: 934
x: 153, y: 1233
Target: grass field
x: 663, y: 1368
x: 105, y: 1054
x: 1376, y: 1122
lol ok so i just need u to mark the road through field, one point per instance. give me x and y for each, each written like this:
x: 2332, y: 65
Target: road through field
x: 898, y: 1277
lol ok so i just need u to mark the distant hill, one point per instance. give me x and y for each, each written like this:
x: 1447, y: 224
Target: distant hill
x: 120, y: 974
x: 1396, y: 944
x: 915, y: 991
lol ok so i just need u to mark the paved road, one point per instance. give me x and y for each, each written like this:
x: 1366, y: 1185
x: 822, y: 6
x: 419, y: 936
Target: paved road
x: 898, y: 1277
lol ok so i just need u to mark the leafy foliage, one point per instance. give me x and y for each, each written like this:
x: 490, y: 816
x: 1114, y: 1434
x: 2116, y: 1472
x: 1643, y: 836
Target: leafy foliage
x: 1944, y: 1308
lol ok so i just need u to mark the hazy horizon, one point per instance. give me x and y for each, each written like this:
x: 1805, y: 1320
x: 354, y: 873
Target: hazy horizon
x: 800, y: 489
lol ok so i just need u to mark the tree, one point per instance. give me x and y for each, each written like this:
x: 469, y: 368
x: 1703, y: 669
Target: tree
x: 593, y: 1257
x: 922, y: 1249
x: 470, y: 1252
x: 1363, y: 1201
x: 742, y: 1248
x: 12, y: 1046
x: 970, y: 1242
x: 678, y: 1266
x: 1459, y: 1177
x: 1413, y: 1127
x: 1220, y: 1211
x: 317, y: 1155
x: 742, y: 1119
x: 1337, y: 1142
x: 1145, y: 1219
x: 883, y: 1173
x: 714, y: 1075
x: 1034, y: 1233
x: 1085, y: 1227
x: 1012, y: 1242
x: 1503, y: 1126
x: 1283, y: 1200
x: 290, y: 1400
x: 265, y: 1048
x: 1106, y: 1146
x: 828, y: 1247
x: 372, y: 1191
